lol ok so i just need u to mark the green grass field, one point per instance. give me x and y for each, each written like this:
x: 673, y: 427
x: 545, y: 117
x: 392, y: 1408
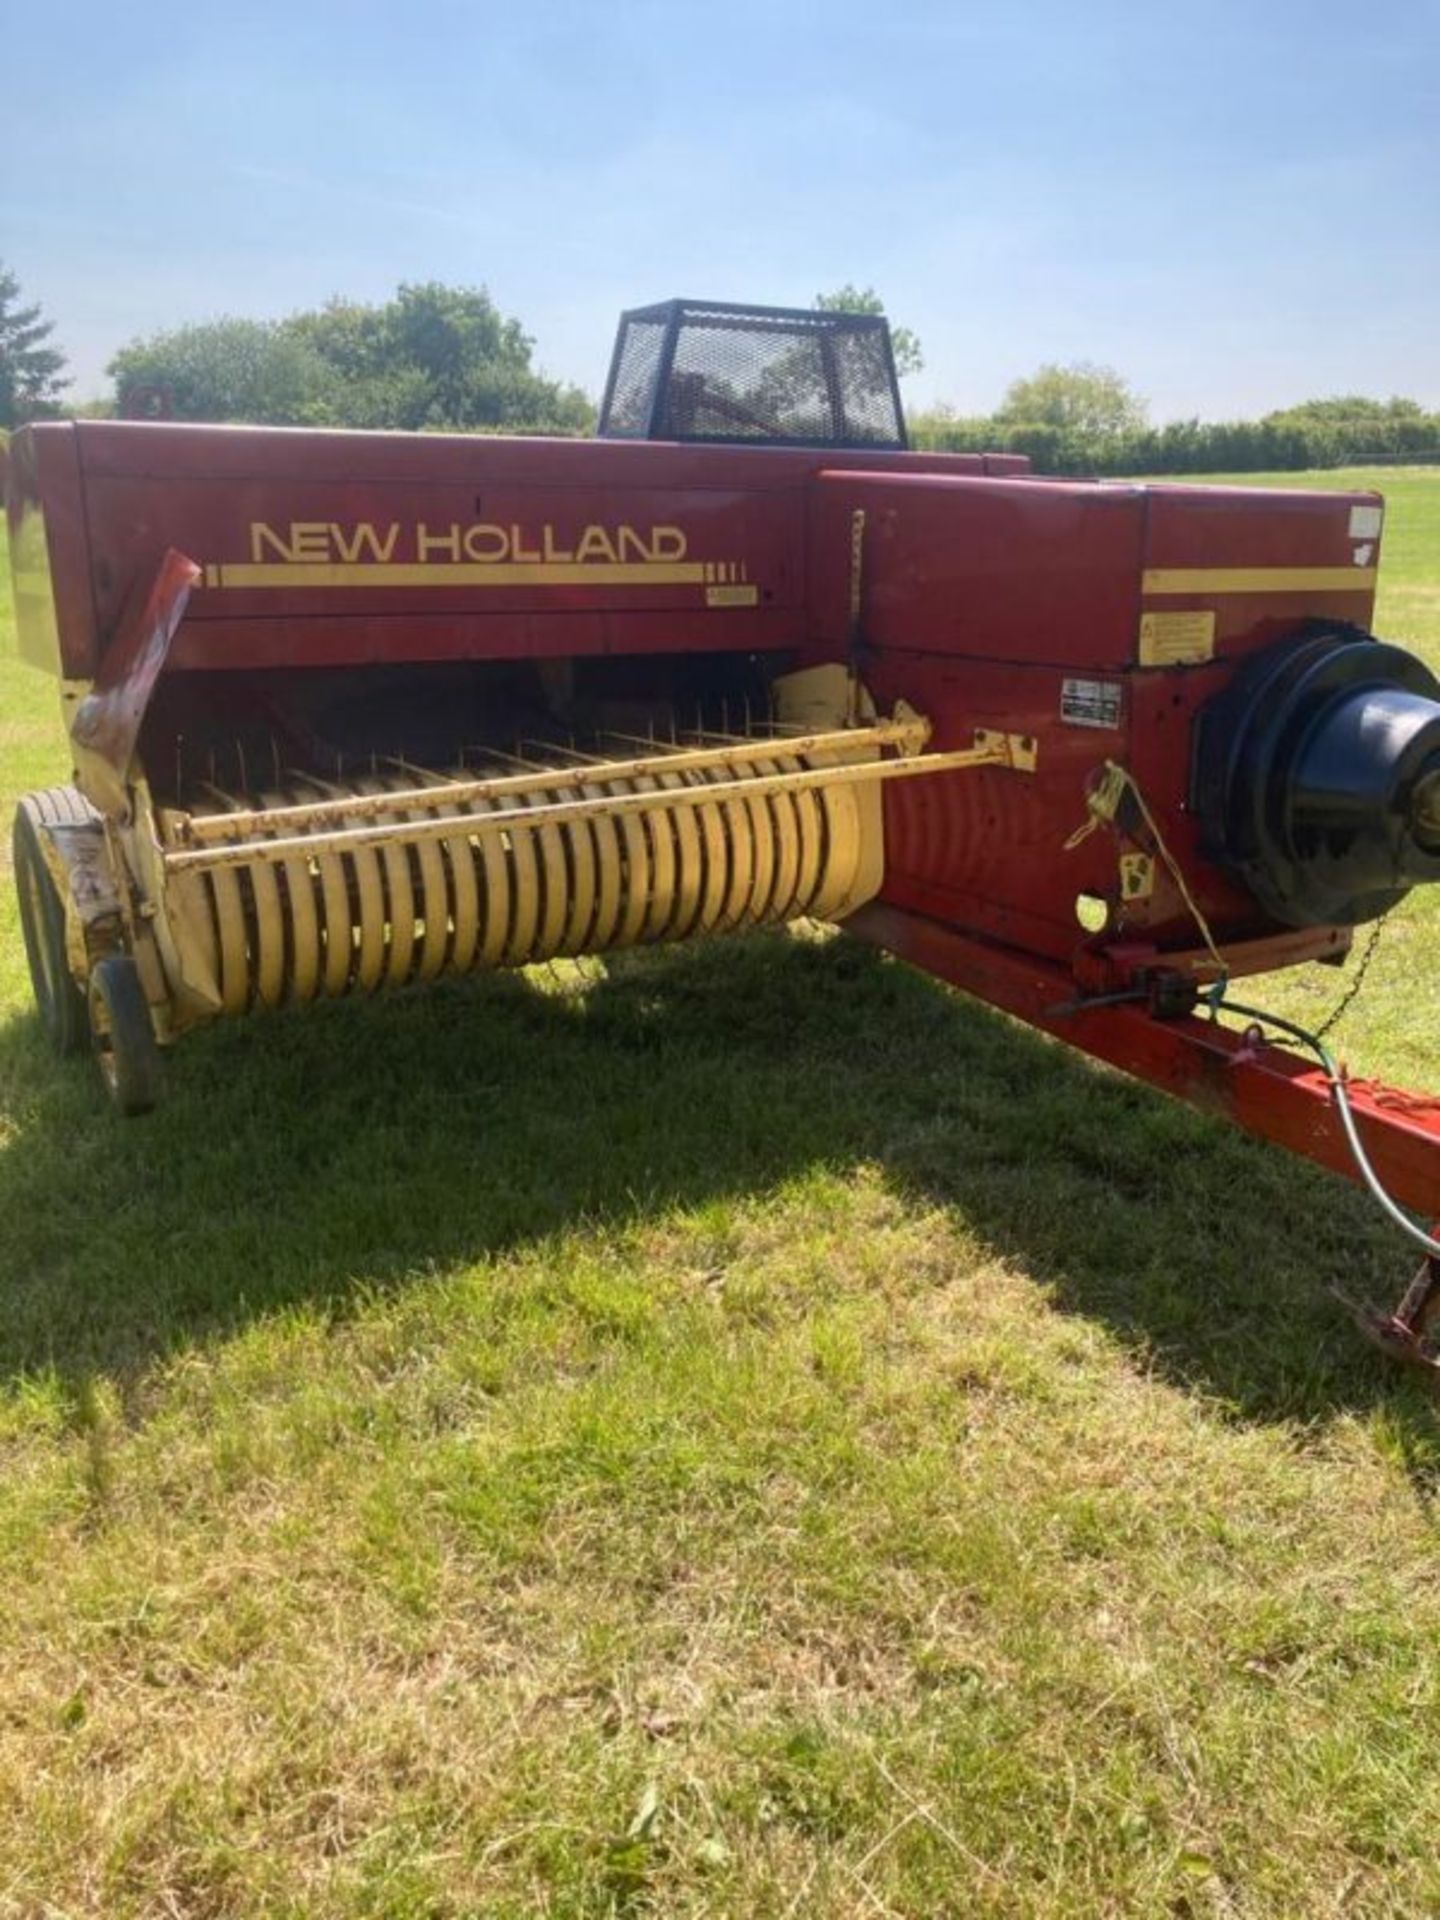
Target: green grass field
x: 758, y: 1436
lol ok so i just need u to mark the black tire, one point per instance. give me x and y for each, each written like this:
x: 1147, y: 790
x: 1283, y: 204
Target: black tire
x: 42, y: 917
x: 122, y: 1035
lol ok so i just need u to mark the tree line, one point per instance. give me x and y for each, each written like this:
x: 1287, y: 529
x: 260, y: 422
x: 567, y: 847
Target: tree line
x: 433, y: 357
x: 441, y: 357
x: 1084, y: 419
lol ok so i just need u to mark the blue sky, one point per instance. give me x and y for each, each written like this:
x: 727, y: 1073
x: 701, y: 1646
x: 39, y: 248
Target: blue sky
x: 1236, y: 205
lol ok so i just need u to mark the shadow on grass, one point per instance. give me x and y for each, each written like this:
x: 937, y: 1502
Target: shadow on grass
x: 300, y: 1154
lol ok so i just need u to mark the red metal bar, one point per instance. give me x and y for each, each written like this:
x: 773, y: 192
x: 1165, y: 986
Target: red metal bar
x: 1266, y: 1090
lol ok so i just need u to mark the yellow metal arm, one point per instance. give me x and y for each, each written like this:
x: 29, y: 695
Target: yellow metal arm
x: 994, y: 750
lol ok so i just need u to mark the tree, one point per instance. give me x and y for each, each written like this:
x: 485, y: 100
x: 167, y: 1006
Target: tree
x: 31, y: 373
x: 1080, y: 399
x: 434, y: 357
x: 908, y: 355
x: 439, y: 356
x: 230, y: 369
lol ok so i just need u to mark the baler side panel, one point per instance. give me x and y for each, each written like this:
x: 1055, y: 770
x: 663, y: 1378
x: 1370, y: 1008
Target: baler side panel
x: 990, y: 569
x: 49, y: 552
x: 94, y: 506
x: 1020, y: 607
x: 985, y: 850
x: 295, y: 574
x: 357, y: 538
x: 1255, y: 531
x: 981, y: 600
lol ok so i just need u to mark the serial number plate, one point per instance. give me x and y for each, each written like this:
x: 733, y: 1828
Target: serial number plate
x: 1091, y: 703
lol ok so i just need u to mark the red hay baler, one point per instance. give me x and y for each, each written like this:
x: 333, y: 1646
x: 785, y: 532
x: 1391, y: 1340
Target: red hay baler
x: 353, y: 710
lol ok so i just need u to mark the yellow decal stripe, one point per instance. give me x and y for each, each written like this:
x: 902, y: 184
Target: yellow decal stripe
x: 449, y: 573
x: 1157, y: 581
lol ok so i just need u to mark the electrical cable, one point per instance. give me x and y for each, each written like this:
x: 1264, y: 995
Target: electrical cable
x: 1102, y: 805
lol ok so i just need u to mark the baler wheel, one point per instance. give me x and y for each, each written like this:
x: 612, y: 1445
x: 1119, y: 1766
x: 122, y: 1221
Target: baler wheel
x: 122, y: 1035
x: 42, y: 917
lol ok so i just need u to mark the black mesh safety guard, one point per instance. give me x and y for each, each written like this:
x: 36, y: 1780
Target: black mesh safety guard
x: 767, y: 376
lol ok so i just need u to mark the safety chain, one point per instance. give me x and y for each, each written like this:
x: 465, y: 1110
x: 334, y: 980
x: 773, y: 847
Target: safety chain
x: 1342, y: 1005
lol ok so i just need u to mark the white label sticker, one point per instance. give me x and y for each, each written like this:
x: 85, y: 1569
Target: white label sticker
x: 1091, y: 703
x: 1366, y: 522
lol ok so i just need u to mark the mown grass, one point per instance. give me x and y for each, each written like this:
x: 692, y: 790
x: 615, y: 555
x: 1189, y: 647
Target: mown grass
x: 760, y: 1435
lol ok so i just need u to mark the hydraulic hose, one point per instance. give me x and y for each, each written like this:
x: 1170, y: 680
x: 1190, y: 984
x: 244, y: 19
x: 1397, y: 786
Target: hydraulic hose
x: 1427, y: 1242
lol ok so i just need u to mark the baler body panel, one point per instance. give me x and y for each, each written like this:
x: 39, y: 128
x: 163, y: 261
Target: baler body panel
x: 981, y: 568
x: 114, y: 496
x: 1261, y: 563
x: 342, y: 572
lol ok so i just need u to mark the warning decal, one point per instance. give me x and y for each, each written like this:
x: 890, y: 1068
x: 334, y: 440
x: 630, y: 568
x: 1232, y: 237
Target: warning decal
x: 1176, y: 639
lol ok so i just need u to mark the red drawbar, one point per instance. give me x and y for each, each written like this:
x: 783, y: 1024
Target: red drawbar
x: 1264, y: 1089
